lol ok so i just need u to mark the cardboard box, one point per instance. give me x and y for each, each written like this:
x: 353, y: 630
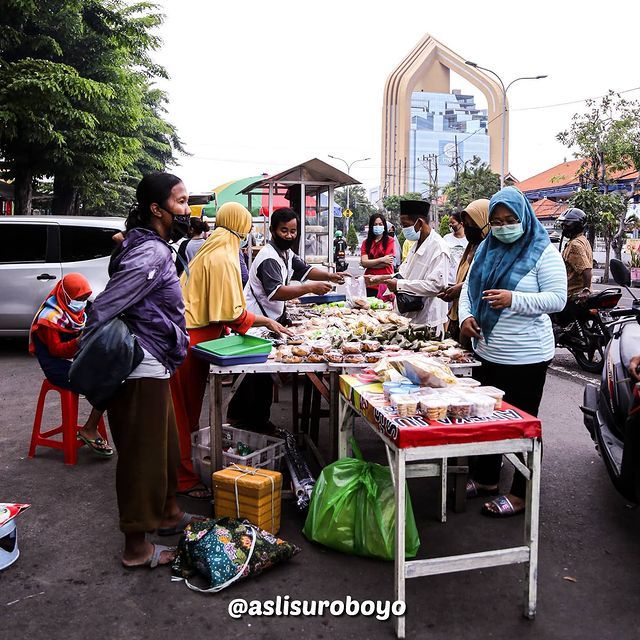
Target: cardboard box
x: 259, y: 500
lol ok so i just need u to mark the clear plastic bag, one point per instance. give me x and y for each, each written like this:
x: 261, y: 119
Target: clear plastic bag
x: 356, y: 291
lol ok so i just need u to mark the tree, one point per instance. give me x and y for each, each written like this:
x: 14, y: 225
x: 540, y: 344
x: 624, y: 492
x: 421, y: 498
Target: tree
x: 443, y: 229
x: 475, y: 181
x: 607, y: 137
x: 358, y: 203
x: 76, y: 100
x: 604, y: 211
x: 352, y: 239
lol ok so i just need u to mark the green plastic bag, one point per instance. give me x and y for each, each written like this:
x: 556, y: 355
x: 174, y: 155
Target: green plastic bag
x: 353, y: 510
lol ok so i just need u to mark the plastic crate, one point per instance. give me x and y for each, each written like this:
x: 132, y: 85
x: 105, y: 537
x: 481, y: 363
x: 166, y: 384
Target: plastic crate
x: 267, y: 451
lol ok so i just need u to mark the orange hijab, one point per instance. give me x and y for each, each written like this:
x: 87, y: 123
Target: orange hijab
x: 55, y: 313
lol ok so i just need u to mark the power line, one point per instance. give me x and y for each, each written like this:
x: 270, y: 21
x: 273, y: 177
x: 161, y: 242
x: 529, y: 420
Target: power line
x: 563, y: 104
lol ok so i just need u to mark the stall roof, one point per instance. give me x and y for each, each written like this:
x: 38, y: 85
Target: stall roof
x: 312, y: 171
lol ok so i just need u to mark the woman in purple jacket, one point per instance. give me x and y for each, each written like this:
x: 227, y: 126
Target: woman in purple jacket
x: 144, y: 289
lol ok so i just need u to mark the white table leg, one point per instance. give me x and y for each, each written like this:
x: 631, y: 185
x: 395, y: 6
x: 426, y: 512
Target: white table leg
x: 443, y: 489
x: 532, y: 518
x: 215, y: 421
x: 399, y: 583
x: 345, y: 428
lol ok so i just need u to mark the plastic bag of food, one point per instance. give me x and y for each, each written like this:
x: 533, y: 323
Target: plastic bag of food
x: 356, y: 292
x: 424, y: 371
x: 353, y: 510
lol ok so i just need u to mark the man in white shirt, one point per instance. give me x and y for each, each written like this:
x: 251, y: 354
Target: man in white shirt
x: 425, y: 272
x: 457, y: 242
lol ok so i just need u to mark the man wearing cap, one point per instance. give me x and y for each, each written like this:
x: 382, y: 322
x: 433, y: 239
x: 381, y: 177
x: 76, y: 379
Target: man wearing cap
x: 425, y: 272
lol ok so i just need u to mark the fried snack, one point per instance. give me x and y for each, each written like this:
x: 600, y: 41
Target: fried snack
x: 291, y: 359
x: 353, y: 358
x: 302, y: 350
x: 321, y: 346
x: 372, y: 358
x: 334, y: 356
x: 316, y: 358
x: 369, y: 346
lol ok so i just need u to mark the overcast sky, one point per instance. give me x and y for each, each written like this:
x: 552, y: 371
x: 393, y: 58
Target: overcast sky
x: 261, y: 86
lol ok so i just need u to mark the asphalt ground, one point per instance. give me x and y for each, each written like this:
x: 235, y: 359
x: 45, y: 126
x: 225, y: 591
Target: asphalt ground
x: 68, y: 583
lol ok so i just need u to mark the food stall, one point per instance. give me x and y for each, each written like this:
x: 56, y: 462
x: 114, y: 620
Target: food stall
x: 313, y: 183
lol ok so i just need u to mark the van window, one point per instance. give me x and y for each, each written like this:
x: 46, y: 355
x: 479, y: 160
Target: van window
x: 23, y: 243
x: 85, y: 243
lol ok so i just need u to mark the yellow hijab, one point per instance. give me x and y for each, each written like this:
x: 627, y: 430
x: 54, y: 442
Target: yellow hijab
x: 213, y: 291
x: 478, y: 211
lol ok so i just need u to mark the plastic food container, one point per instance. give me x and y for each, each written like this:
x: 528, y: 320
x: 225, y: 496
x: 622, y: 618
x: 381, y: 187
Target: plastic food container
x: 492, y: 392
x: 390, y: 387
x: 468, y: 382
x: 406, y: 405
x: 459, y: 408
x: 434, y: 407
x: 483, y: 405
x: 235, y: 350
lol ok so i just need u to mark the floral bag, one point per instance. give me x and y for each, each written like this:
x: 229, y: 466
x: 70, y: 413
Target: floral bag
x: 225, y: 550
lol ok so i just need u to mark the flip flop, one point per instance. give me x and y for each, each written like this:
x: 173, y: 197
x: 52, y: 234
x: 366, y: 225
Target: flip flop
x: 476, y: 491
x: 504, y: 506
x: 197, y: 492
x: 99, y: 445
x: 153, y: 560
x: 180, y: 526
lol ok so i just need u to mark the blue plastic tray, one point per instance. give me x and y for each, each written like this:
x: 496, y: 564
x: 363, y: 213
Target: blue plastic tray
x: 230, y: 361
x: 330, y: 297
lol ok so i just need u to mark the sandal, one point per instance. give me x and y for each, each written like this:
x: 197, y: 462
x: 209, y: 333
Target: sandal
x: 153, y: 560
x: 99, y: 445
x: 503, y: 508
x: 474, y: 490
x: 197, y: 492
x: 179, y: 527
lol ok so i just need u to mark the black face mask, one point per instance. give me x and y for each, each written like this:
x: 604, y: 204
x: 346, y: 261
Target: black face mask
x: 281, y: 243
x: 473, y: 234
x: 179, y: 227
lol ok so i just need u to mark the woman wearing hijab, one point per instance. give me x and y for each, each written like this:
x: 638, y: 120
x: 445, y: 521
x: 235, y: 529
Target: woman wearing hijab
x: 214, y: 301
x: 475, y: 221
x: 517, y: 278
x: 54, y: 336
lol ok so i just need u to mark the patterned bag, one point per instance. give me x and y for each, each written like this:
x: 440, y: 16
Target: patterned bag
x: 225, y: 550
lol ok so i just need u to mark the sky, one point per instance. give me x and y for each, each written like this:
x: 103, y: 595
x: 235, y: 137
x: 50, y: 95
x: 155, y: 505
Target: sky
x: 262, y: 86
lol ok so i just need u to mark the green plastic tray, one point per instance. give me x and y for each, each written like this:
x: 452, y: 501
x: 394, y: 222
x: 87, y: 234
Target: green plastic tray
x: 236, y: 346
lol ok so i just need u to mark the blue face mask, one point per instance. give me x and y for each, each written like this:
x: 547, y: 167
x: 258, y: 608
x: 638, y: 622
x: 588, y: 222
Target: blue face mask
x: 508, y: 233
x: 410, y: 233
x: 77, y: 305
x: 378, y: 229
x: 244, y: 243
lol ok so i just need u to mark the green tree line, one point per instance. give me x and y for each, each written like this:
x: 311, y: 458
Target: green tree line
x: 78, y: 105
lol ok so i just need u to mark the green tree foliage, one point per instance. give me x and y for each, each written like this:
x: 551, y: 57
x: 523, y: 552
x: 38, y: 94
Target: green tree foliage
x: 358, y: 203
x: 76, y: 99
x: 443, y: 229
x: 607, y: 138
x: 475, y: 181
x: 352, y: 239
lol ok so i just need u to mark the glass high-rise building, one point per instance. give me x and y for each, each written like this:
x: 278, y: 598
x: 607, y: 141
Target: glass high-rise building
x: 448, y: 126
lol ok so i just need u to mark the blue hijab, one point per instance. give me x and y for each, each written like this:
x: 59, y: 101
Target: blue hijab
x: 501, y: 266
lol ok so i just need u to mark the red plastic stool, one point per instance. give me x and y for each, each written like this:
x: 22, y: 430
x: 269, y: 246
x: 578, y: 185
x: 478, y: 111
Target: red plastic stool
x: 69, y: 427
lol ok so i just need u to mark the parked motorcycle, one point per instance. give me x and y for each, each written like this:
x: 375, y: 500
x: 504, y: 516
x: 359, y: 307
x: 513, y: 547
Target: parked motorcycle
x: 583, y: 330
x: 612, y: 410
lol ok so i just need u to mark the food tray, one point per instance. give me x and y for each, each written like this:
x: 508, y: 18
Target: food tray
x: 226, y: 352
x: 268, y: 451
x: 230, y: 361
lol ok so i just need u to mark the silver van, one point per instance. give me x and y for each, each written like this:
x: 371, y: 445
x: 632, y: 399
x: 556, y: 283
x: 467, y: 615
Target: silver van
x: 37, y: 251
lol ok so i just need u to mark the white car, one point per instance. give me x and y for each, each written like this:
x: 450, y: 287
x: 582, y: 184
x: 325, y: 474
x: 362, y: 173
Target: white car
x: 37, y: 251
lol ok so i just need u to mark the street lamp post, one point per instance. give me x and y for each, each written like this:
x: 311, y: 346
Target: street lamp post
x: 504, y: 108
x: 349, y: 165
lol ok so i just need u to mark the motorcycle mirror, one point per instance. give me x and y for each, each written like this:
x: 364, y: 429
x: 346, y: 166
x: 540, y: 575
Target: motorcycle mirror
x: 620, y: 273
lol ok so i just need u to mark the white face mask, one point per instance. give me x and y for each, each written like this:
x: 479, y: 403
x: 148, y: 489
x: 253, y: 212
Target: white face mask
x: 77, y: 305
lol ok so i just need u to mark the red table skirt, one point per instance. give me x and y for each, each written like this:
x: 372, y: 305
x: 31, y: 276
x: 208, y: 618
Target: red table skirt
x: 506, y: 423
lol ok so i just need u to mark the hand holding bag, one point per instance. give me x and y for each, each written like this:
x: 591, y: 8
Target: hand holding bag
x: 407, y: 302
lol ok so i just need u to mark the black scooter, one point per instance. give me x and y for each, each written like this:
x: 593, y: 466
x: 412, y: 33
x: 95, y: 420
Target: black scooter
x: 612, y: 410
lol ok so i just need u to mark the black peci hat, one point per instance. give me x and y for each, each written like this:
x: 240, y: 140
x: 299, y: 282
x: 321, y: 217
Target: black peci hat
x: 414, y: 208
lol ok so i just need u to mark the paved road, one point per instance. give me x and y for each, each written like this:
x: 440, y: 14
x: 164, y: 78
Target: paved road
x: 68, y: 584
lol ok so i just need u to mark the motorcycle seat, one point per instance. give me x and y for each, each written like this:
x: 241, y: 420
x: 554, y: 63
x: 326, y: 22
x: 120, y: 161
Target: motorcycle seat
x: 629, y: 342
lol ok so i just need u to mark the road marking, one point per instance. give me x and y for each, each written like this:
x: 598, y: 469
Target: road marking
x: 574, y: 374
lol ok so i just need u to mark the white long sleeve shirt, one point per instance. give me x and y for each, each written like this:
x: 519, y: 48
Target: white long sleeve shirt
x: 523, y: 333
x: 425, y: 273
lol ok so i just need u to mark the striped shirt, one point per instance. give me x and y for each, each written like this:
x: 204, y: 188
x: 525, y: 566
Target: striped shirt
x: 523, y: 333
